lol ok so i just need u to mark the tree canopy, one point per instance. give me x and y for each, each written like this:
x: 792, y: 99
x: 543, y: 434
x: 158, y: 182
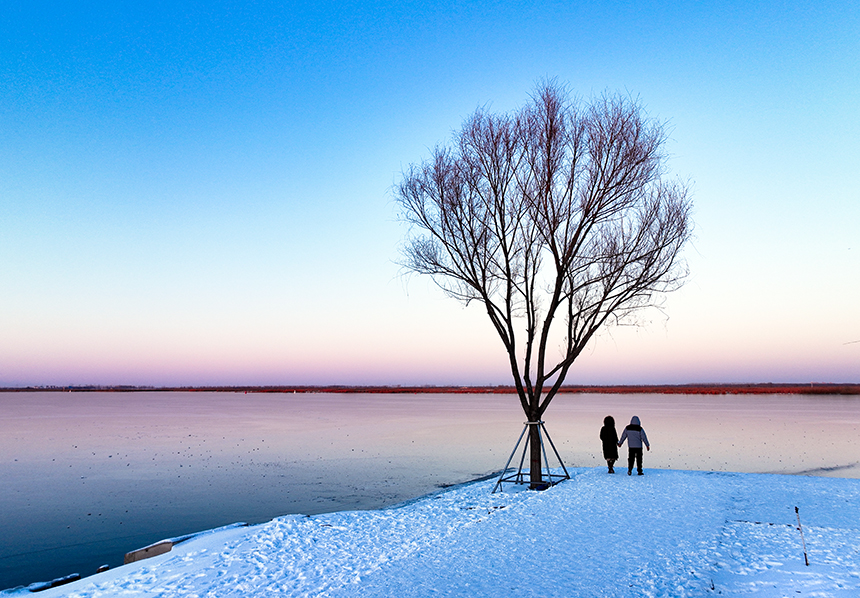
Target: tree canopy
x: 557, y: 217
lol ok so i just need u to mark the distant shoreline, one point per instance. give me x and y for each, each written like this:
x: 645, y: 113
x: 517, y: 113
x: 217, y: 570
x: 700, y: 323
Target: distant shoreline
x: 698, y: 389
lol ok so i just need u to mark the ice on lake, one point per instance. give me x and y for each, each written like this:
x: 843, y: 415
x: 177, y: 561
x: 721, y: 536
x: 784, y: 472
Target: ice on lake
x: 90, y: 476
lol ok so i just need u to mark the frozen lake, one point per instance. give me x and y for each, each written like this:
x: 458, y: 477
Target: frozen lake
x: 90, y: 476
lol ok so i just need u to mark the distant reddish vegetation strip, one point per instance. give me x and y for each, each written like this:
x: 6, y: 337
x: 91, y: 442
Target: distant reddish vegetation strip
x: 698, y: 389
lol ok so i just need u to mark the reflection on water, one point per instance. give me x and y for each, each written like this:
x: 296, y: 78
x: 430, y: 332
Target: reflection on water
x: 90, y: 476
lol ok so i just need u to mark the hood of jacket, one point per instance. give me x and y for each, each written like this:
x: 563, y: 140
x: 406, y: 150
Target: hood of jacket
x: 634, y: 421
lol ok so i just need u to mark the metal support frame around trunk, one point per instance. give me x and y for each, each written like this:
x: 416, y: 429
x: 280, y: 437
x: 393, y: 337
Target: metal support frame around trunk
x: 518, y: 478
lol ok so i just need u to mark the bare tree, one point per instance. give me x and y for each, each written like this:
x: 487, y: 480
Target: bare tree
x: 558, y: 220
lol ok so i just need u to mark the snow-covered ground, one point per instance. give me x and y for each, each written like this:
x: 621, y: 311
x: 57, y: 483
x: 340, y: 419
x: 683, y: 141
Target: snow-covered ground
x: 668, y: 533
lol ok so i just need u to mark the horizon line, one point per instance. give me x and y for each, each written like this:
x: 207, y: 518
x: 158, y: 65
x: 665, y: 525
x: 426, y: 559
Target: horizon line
x: 692, y: 388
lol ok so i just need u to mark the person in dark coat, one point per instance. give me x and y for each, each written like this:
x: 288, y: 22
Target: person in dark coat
x: 635, y: 437
x: 609, y: 438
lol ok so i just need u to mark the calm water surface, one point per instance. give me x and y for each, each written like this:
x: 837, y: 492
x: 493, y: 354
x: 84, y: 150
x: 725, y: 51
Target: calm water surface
x: 87, y: 477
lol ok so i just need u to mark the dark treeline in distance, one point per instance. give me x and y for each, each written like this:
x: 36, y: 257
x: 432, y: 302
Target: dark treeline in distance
x: 698, y: 389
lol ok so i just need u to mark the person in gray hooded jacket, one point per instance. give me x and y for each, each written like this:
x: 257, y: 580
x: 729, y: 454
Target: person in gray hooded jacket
x: 635, y: 437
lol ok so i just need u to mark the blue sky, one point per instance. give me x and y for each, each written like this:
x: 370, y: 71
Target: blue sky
x: 201, y: 193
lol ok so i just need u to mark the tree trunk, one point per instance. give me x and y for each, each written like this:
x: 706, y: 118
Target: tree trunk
x: 535, y: 477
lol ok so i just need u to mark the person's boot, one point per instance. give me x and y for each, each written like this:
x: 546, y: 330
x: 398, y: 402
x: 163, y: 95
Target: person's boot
x: 640, y: 472
x: 611, y: 469
x: 629, y: 472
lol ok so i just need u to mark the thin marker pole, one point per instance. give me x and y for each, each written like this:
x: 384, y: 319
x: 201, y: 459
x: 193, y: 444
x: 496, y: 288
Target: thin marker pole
x: 805, y: 559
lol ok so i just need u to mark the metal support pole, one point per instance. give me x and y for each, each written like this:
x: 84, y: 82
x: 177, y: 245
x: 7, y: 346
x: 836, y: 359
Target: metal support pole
x: 545, y: 456
x: 566, y: 475
x: 513, y: 452
x: 518, y: 478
